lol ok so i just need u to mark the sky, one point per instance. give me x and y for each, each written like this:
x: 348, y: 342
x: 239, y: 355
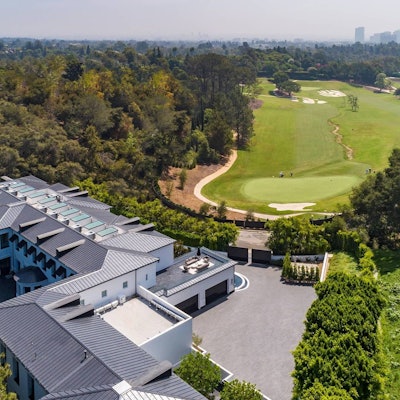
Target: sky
x: 196, y: 19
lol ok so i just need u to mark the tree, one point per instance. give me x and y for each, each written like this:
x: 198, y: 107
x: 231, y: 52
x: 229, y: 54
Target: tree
x: 218, y: 132
x: 169, y: 187
x: 199, y: 372
x: 286, y: 267
x: 376, y: 204
x: 5, y: 372
x: 204, y: 209
x: 320, y: 392
x: 296, y: 236
x: 290, y: 87
x: 222, y: 209
x: 279, y: 78
x: 340, y: 345
x: 249, y: 215
x: 353, y: 101
x: 382, y: 82
x: 243, y: 390
x: 182, y: 178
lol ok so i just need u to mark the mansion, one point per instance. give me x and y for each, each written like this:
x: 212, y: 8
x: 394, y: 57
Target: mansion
x: 98, y: 306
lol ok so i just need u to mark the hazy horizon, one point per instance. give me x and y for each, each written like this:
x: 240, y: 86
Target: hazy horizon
x: 187, y: 20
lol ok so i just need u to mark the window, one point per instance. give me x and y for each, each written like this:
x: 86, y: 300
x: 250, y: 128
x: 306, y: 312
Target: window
x: 61, y: 272
x: 147, y: 277
x: 4, y: 241
x: 104, y: 293
x: 124, y: 285
x: 82, y: 302
x: 15, y: 370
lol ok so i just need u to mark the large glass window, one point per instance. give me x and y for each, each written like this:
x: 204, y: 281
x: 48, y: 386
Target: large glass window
x: 4, y: 241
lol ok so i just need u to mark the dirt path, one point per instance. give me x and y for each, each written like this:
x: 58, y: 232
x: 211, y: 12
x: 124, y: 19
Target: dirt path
x: 190, y: 196
x: 186, y: 195
x: 339, y: 139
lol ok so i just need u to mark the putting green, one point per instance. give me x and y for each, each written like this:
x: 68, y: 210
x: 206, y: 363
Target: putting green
x: 305, y: 189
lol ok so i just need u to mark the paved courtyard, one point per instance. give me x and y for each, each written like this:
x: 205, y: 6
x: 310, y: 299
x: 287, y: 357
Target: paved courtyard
x: 253, y: 332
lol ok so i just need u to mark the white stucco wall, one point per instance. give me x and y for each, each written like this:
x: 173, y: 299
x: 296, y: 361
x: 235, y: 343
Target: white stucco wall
x: 172, y: 344
x: 165, y: 255
x: 146, y: 276
x: 176, y: 341
x: 114, y: 289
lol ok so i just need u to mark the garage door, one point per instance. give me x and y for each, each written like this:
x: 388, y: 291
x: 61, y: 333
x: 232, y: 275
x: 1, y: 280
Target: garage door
x: 216, y: 292
x: 189, y: 305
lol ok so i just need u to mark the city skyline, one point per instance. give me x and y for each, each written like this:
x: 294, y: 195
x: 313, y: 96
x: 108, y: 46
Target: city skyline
x: 186, y: 20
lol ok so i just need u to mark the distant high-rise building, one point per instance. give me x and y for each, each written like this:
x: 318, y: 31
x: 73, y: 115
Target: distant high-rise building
x: 396, y: 35
x: 359, y: 34
x: 375, y: 38
x: 386, y: 37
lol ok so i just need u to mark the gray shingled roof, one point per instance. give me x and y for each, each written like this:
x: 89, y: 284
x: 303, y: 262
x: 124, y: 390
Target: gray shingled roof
x: 116, y: 263
x: 54, y: 352
x: 87, y: 257
x: 138, y: 241
x: 52, y: 355
x: 169, y: 388
x: 7, y: 198
x: 60, y: 330
x: 198, y: 278
x: 37, y: 183
x: 87, y: 202
x: 9, y: 214
x: 92, y: 393
x: 172, y: 386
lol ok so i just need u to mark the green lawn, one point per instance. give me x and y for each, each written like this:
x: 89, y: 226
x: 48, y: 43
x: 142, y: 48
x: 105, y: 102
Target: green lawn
x: 297, y: 138
x: 343, y: 262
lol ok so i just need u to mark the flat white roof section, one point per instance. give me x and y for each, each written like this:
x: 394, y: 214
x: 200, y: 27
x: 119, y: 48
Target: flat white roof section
x: 138, y: 321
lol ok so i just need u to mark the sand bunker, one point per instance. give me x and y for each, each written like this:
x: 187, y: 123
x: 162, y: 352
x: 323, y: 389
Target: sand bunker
x: 313, y: 101
x: 331, y: 93
x: 290, y: 206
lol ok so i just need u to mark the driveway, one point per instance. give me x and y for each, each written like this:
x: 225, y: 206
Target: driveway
x: 253, y: 332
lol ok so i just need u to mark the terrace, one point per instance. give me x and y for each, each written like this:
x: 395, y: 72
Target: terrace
x: 128, y: 319
x: 186, y: 268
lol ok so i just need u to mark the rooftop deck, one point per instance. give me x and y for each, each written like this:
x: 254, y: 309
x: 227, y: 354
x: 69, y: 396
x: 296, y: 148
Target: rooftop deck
x: 138, y: 320
x: 185, y: 269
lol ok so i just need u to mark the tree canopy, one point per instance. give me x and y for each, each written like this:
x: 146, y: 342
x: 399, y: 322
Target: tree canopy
x: 339, y: 348
x: 199, y: 372
x: 376, y: 204
x: 296, y: 236
x: 5, y: 372
x: 242, y: 390
x: 119, y: 114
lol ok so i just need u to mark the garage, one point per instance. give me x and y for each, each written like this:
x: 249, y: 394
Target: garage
x: 216, y: 292
x: 189, y: 305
